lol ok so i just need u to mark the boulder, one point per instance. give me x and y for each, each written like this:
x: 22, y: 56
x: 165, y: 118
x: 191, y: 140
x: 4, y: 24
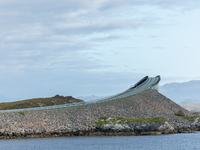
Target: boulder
x: 166, y: 127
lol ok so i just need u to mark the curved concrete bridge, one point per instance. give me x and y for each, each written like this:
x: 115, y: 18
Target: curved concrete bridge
x: 142, y: 85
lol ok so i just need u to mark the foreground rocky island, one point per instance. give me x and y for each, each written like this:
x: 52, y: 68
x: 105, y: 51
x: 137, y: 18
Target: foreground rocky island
x: 148, y: 112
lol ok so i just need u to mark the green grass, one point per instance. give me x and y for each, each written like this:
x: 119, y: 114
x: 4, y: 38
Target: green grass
x: 30, y: 103
x: 190, y: 118
x: 142, y: 119
x: 101, y: 123
x: 119, y: 120
x: 22, y: 113
x: 104, y: 118
x: 180, y: 114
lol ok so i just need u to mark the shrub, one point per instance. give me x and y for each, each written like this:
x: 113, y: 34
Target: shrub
x: 180, y: 113
x: 22, y: 113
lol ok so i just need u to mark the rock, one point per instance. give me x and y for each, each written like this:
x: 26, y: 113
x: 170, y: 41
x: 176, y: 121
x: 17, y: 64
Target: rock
x: 22, y: 133
x: 109, y: 118
x: 118, y: 121
x: 10, y: 134
x: 126, y: 126
x: 47, y: 133
x: 166, y: 126
x: 105, y: 126
x: 196, y: 121
x: 27, y: 130
x: 117, y: 127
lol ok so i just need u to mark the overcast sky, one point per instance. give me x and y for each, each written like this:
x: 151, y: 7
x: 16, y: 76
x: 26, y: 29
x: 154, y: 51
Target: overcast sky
x: 102, y: 47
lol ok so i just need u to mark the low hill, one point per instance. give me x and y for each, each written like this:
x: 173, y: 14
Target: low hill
x: 89, y: 98
x: 182, y: 92
x: 192, y: 107
x: 39, y: 102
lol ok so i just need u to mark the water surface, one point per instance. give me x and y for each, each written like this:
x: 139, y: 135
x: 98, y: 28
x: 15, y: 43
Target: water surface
x: 183, y: 141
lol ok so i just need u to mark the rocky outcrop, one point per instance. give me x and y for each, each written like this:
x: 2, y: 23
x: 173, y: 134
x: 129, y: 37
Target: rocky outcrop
x: 81, y: 120
x: 166, y: 126
x: 196, y: 123
x: 138, y: 127
x: 110, y: 128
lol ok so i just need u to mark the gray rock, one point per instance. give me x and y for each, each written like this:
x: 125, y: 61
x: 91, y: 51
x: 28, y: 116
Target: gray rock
x: 196, y: 121
x: 166, y: 126
x: 118, y: 127
x: 109, y: 118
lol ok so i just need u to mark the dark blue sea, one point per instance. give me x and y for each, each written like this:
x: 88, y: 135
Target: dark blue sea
x: 183, y: 141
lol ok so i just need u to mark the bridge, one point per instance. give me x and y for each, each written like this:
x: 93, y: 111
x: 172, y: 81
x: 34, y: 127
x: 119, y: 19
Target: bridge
x: 142, y: 85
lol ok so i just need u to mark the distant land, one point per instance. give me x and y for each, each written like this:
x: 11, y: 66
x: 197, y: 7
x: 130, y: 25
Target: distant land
x: 185, y: 92
x: 192, y: 106
x: 89, y: 98
x: 39, y: 102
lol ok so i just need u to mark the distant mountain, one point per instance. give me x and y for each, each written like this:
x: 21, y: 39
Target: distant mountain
x: 88, y: 98
x: 182, y: 92
x: 191, y: 106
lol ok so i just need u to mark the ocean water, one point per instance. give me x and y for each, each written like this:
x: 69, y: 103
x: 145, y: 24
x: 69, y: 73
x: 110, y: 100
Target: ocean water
x: 183, y: 141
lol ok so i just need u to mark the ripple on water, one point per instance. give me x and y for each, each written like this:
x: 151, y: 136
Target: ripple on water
x: 182, y: 141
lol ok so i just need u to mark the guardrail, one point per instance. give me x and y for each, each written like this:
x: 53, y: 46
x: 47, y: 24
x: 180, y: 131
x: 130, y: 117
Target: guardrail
x: 149, y: 83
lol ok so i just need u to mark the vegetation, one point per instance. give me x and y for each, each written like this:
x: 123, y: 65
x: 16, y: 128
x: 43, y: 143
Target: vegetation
x: 99, y: 123
x: 39, y: 102
x: 196, y: 113
x: 119, y: 120
x: 180, y: 113
x: 22, y: 113
x: 189, y: 118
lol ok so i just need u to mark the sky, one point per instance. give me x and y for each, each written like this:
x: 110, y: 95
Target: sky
x: 102, y: 47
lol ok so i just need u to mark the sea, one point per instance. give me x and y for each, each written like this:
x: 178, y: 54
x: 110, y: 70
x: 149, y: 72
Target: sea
x: 181, y: 141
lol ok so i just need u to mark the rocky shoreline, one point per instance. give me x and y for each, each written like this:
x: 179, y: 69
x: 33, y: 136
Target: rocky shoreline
x: 137, y: 128
x: 83, y: 120
x: 83, y: 133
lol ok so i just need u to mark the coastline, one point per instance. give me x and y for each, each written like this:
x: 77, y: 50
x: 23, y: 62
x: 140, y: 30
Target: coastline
x: 87, y: 133
x: 155, y: 112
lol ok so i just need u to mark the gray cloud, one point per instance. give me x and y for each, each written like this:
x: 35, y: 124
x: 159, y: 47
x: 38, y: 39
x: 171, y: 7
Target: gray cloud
x: 47, y: 21
x: 38, y: 34
x: 106, y: 38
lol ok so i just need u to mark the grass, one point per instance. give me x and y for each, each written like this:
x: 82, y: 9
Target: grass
x: 119, y: 120
x: 101, y: 123
x: 37, y: 102
x: 142, y: 119
x: 180, y: 114
x: 189, y: 118
x: 22, y: 113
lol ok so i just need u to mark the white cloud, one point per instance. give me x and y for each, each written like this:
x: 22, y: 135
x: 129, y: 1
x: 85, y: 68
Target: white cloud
x: 56, y: 40
x: 106, y: 38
